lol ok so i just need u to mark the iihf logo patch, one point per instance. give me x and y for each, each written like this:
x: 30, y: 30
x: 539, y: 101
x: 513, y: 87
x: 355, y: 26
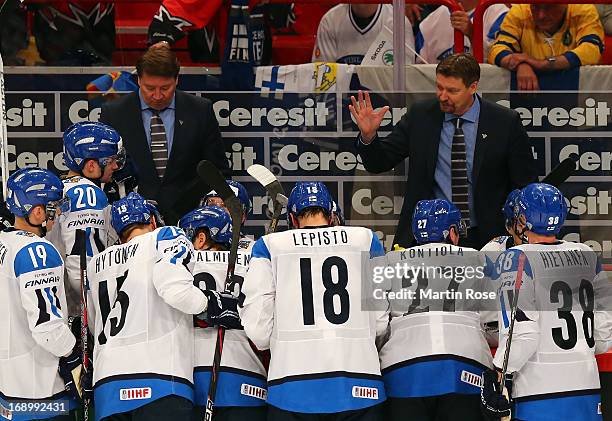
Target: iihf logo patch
x: 136, y: 393
x: 471, y: 378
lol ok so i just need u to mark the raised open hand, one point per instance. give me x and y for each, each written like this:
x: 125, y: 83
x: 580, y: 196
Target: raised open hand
x: 367, y: 118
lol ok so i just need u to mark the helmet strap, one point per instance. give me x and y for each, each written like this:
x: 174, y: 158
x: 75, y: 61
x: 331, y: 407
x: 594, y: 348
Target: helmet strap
x: 42, y: 227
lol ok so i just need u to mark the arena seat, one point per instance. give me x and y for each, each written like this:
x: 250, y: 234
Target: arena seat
x: 132, y: 22
x: 292, y: 49
x: 607, y: 54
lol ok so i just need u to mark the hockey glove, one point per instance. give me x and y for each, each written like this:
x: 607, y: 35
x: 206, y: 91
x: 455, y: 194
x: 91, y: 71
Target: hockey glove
x: 6, y: 217
x: 222, y: 310
x: 70, y: 368
x: 493, y: 403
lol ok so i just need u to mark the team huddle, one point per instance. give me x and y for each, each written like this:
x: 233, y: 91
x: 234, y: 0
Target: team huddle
x: 299, y: 343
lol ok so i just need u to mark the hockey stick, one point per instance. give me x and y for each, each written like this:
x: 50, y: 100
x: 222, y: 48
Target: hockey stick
x: 7, y: 7
x: 211, y: 175
x: 81, y: 238
x: 3, y: 135
x: 562, y: 171
x: 517, y: 287
x: 274, y: 189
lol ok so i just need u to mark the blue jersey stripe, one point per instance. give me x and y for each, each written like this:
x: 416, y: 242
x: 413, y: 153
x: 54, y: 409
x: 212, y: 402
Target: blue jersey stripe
x: 114, y: 397
x: 433, y: 378
x: 583, y: 408
x: 229, y: 389
x: 326, y: 395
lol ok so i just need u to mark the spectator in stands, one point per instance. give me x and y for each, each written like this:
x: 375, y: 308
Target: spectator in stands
x: 605, y: 14
x: 166, y: 132
x: 75, y: 33
x: 346, y: 32
x: 435, y: 39
x: 205, y: 22
x: 547, y: 37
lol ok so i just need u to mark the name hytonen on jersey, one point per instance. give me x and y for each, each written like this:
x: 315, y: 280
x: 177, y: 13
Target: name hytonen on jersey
x: 319, y: 238
x: 117, y: 256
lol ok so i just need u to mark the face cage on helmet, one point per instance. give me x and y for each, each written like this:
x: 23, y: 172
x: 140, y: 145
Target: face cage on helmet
x: 52, y: 207
x: 120, y: 159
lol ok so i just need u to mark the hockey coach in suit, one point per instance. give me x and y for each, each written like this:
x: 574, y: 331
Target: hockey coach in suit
x: 459, y: 147
x: 166, y: 132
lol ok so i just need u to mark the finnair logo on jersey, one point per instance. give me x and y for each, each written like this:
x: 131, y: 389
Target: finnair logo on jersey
x: 365, y: 392
x: 253, y: 391
x: 135, y: 393
x: 471, y: 378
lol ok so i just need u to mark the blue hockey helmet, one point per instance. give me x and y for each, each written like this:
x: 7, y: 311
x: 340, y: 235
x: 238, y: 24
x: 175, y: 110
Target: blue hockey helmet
x: 91, y: 140
x: 308, y: 194
x: 508, y: 208
x: 216, y: 219
x: 432, y: 220
x: 30, y: 187
x: 239, y: 190
x: 543, y: 208
x: 132, y: 209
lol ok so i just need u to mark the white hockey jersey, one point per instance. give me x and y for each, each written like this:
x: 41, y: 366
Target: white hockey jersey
x: 437, y: 345
x: 87, y: 209
x: 435, y: 38
x: 33, y: 326
x: 563, y: 319
x: 143, y: 296
x: 303, y: 301
x: 242, y: 379
x: 492, y: 250
x: 341, y: 40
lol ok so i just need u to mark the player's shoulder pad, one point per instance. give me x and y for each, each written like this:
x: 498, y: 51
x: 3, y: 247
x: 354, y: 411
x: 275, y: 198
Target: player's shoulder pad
x: 260, y: 250
x: 36, y: 255
x: 500, y: 240
x: 86, y: 195
x: 509, y: 260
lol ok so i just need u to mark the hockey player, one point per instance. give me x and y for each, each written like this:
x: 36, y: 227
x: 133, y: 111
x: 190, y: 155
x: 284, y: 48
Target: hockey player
x: 92, y: 152
x: 436, y: 352
x: 493, y: 249
x: 504, y: 242
x: 213, y: 199
x: 37, y: 349
x: 143, y: 298
x: 337, y: 217
x: 303, y: 302
x: 241, y: 388
x: 559, y: 325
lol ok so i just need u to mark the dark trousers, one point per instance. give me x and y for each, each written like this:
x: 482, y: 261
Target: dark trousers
x: 373, y: 413
x: 472, y: 239
x: 233, y: 413
x: 169, y: 408
x: 451, y: 407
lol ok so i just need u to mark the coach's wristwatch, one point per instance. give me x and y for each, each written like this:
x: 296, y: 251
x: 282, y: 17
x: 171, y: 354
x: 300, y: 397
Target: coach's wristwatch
x: 551, y: 61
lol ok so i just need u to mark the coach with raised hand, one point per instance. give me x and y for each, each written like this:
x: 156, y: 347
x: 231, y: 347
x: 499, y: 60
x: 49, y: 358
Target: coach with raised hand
x: 460, y: 148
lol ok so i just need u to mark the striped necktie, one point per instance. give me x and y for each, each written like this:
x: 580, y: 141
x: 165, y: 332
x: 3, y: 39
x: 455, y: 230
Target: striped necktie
x: 159, y: 143
x: 459, y: 176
